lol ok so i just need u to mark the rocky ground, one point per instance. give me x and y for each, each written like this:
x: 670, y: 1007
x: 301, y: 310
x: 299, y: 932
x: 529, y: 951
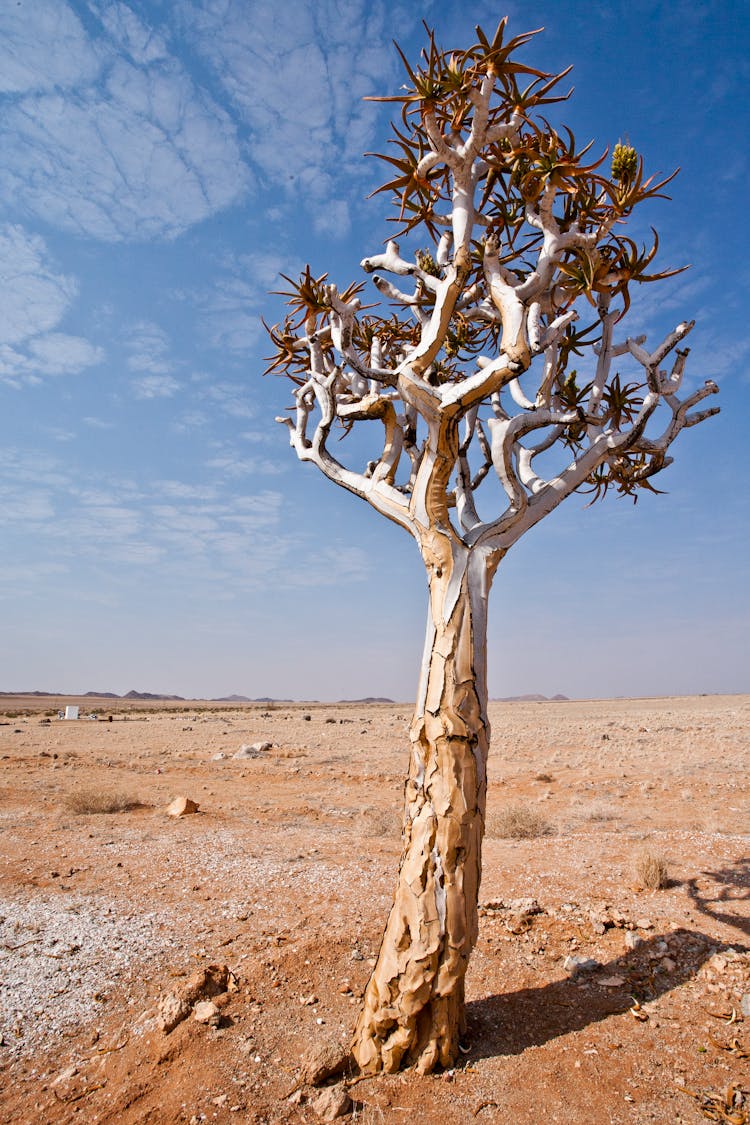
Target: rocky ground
x: 209, y: 967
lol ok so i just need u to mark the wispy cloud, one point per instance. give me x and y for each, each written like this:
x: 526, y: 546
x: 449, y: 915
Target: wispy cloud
x: 202, y: 534
x: 26, y: 61
x: 115, y: 147
x: 155, y: 386
x: 297, y: 73
x: 36, y: 298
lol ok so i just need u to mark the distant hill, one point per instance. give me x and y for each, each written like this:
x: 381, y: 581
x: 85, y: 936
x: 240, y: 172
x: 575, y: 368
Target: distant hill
x: 532, y: 698
x: 369, y: 699
x: 149, y: 695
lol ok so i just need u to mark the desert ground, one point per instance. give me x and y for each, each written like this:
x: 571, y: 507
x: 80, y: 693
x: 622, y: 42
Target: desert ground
x: 592, y: 995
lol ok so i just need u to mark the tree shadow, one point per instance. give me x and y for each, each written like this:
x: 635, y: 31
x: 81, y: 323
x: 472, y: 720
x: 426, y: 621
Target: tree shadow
x: 510, y: 1023
x: 732, y: 885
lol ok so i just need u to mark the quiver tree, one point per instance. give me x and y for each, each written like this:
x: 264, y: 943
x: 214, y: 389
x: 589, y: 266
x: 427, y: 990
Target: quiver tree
x: 500, y: 366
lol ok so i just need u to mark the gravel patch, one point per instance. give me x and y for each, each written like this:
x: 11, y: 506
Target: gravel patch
x: 62, y: 957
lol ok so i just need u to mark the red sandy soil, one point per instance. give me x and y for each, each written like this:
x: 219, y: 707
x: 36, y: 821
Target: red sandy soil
x: 285, y: 875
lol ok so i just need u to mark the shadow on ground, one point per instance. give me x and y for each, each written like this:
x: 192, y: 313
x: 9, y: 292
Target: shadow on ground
x: 730, y: 885
x: 510, y: 1023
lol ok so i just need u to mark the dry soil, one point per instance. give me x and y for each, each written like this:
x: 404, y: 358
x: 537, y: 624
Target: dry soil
x: 285, y: 876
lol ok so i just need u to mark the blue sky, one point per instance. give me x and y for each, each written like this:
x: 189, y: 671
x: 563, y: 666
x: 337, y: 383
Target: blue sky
x: 161, y: 164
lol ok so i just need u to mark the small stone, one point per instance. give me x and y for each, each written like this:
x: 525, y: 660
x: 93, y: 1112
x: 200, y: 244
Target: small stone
x: 172, y: 1010
x: 612, y: 982
x: 323, y: 1062
x: 66, y: 1075
x: 253, y: 751
x: 576, y: 965
x: 331, y: 1103
x: 667, y: 964
x: 221, y: 1100
x: 632, y: 939
x: 205, y: 1011
x: 745, y: 1005
x: 182, y: 806
x: 644, y: 924
x: 219, y: 757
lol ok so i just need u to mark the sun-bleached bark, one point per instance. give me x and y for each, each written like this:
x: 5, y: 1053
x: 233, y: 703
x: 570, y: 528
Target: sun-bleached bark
x: 472, y: 380
x: 413, y: 1005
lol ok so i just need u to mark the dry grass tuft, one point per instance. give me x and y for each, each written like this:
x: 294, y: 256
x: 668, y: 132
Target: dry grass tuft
x: 651, y: 871
x: 518, y: 822
x: 89, y: 801
x: 379, y: 822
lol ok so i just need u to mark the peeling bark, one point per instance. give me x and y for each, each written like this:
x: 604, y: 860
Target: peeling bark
x: 451, y: 415
x: 414, y: 1003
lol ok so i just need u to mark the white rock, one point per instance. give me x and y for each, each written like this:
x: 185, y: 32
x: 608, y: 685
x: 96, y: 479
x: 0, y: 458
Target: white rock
x: 575, y: 965
x: 253, y: 751
x: 632, y: 939
x: 182, y: 806
x: 331, y: 1103
x: 205, y: 1011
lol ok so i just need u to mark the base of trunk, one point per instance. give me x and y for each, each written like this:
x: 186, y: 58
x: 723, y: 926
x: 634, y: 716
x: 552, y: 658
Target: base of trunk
x: 387, y: 1039
x: 413, y: 1009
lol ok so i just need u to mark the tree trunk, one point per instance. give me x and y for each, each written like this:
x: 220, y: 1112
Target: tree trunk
x: 414, y: 1002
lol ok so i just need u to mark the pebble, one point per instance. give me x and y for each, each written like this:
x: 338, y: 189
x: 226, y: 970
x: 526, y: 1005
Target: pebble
x: 182, y: 806
x: 205, y: 1011
x: 632, y: 939
x: 253, y: 751
x: 745, y: 1005
x: 331, y: 1103
x: 575, y: 965
x: 644, y: 924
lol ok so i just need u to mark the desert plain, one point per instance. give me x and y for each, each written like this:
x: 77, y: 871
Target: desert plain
x: 593, y: 996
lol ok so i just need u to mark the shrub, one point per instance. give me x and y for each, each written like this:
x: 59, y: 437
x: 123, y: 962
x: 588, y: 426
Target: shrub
x: 518, y: 822
x: 652, y: 871
x: 89, y: 801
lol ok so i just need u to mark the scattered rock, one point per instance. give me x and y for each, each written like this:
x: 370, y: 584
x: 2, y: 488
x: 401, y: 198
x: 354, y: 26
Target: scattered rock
x: 632, y: 939
x: 667, y: 964
x: 205, y: 1011
x: 254, y: 751
x: 323, y: 1063
x: 172, y: 1010
x: 644, y: 924
x: 66, y: 1075
x: 182, y: 806
x: 202, y: 985
x: 219, y: 757
x: 612, y: 982
x: 745, y: 1005
x: 331, y: 1103
x: 575, y: 965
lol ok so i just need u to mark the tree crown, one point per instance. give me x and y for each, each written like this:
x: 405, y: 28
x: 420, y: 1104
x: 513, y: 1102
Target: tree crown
x: 524, y: 267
